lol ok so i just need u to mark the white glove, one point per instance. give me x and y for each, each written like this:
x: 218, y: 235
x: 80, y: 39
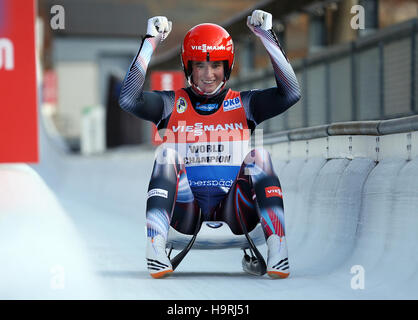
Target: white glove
x: 260, y: 19
x: 159, y: 25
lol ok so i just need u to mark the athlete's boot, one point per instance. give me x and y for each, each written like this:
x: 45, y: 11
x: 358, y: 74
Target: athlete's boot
x: 277, y: 258
x: 159, y: 264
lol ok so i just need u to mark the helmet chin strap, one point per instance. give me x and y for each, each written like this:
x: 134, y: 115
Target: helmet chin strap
x: 199, y: 91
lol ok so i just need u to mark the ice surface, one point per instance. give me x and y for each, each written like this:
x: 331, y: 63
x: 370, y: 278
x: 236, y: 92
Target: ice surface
x: 90, y: 220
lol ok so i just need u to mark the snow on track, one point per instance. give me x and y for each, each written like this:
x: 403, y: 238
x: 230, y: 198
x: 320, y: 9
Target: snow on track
x: 339, y: 213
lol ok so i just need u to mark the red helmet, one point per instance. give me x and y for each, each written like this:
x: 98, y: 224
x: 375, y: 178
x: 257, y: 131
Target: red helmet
x: 207, y: 42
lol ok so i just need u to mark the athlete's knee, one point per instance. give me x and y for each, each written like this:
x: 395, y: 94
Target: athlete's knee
x: 258, y: 160
x: 257, y: 155
x: 167, y: 155
x: 167, y: 166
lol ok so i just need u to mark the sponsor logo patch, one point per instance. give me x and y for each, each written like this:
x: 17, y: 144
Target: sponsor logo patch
x: 232, y: 104
x: 205, y: 48
x: 214, y: 225
x: 274, y: 192
x: 198, y: 128
x: 211, y: 183
x: 181, y: 105
x: 206, y: 107
x: 158, y: 193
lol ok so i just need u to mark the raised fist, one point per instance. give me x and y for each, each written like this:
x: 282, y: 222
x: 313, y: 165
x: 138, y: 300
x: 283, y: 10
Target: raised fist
x: 260, y: 19
x: 159, y: 25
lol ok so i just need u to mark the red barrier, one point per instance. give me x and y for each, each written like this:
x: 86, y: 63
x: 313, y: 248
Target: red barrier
x: 164, y: 80
x: 18, y: 97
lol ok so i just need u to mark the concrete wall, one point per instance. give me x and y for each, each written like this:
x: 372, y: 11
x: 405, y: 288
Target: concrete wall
x: 77, y: 89
x: 353, y: 201
x: 83, y: 66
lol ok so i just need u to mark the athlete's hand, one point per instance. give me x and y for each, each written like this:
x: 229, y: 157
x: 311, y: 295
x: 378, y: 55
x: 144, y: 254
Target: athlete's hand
x: 260, y: 19
x: 159, y: 25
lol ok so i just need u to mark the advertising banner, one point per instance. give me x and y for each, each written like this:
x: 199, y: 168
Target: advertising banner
x: 18, y: 97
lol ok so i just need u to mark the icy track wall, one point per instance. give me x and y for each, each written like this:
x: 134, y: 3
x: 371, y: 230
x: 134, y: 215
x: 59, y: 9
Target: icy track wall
x: 351, y: 201
x: 350, y: 193
x: 40, y: 250
x: 42, y: 255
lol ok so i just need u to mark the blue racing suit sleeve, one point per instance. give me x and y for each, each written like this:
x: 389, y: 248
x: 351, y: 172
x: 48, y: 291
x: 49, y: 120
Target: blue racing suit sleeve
x: 265, y: 104
x: 150, y: 105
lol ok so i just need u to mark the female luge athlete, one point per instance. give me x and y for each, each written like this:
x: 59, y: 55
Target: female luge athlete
x: 203, y: 165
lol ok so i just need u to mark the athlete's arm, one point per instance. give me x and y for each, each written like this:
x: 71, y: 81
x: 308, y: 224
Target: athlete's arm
x: 146, y: 105
x: 265, y: 104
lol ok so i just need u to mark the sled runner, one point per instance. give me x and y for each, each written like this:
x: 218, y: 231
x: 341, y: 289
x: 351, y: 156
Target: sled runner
x: 218, y: 235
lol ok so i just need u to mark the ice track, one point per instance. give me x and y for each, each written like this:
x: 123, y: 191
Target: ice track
x: 87, y: 216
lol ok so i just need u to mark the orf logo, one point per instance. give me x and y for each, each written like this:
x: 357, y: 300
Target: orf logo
x: 7, y: 59
x: 273, y: 192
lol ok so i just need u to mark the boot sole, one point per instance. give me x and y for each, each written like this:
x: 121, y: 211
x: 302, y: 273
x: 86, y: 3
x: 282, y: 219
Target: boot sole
x: 161, y: 274
x: 277, y: 275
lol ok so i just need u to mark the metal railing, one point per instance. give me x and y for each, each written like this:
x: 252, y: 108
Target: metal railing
x: 371, y: 78
x: 350, y: 128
